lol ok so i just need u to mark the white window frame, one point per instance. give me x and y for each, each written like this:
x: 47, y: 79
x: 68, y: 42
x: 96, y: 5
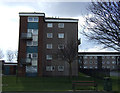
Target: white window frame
x: 49, y: 46
x: 33, y: 19
x: 60, y: 25
x: 35, y: 38
x: 61, y: 35
x: 49, y: 35
x: 49, y: 25
x: 60, y: 68
x: 50, y: 68
x: 48, y: 57
x: 32, y: 55
x: 32, y: 31
x: 113, y: 62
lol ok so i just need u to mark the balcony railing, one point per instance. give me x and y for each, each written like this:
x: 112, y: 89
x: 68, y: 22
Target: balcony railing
x: 26, y: 61
x: 26, y: 36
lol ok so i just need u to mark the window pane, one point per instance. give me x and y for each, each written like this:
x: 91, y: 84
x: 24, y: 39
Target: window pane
x: 35, y: 55
x: 61, y: 35
x: 49, y: 57
x: 49, y: 25
x: 60, y: 68
x: 49, y: 46
x: 49, y: 35
x: 34, y: 62
x: 61, y: 25
x: 30, y: 19
x: 35, y: 43
x: 35, y: 31
x: 36, y: 19
x: 29, y: 43
x: 35, y: 38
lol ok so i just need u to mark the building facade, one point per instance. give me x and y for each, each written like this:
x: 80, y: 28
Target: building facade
x: 99, y: 60
x: 39, y: 39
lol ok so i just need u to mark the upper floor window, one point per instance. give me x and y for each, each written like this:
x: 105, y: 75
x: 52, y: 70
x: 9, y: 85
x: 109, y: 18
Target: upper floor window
x: 61, y: 25
x: 49, y: 57
x: 33, y: 19
x: 32, y: 43
x: 49, y: 46
x: 61, y: 35
x: 33, y: 31
x: 60, y: 68
x: 49, y: 25
x: 49, y: 35
x: 32, y: 55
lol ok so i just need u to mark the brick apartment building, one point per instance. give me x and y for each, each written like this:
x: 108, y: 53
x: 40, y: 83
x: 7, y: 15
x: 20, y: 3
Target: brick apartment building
x: 93, y: 60
x: 39, y: 38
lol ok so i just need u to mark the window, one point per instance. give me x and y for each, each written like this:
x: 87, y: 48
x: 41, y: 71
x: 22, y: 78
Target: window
x: 33, y: 31
x: 61, y: 35
x: 91, y: 57
x: 35, y: 55
x: 50, y: 68
x: 85, y: 67
x: 113, y: 62
x: 32, y: 43
x: 35, y: 38
x: 49, y: 46
x: 33, y: 19
x: 113, y: 57
x: 29, y: 55
x: 90, y: 62
x: 61, y: 25
x: 49, y: 35
x: 60, y: 68
x: 103, y: 62
x: 85, y: 62
x: 29, y: 43
x: 35, y: 43
x: 90, y: 67
x: 95, y: 57
x: 34, y: 62
x: 49, y: 57
x: 103, y: 57
x: 60, y: 46
x: 32, y: 55
x: 85, y: 57
x: 96, y: 67
x: 49, y: 25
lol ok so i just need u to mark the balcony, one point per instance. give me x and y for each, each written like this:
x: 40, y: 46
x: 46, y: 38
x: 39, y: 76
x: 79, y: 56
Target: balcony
x: 26, y: 61
x: 26, y: 36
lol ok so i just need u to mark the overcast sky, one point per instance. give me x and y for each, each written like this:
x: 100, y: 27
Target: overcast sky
x: 9, y: 19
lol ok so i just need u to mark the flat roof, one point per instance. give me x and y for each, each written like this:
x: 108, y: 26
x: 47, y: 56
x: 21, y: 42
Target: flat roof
x: 98, y: 53
x: 47, y: 19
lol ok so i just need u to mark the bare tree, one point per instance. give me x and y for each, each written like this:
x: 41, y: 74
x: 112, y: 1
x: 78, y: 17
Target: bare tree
x: 1, y: 54
x: 69, y: 54
x: 103, y: 24
x: 10, y: 55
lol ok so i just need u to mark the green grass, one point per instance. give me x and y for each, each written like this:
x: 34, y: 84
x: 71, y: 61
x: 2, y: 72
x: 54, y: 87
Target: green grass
x: 11, y: 83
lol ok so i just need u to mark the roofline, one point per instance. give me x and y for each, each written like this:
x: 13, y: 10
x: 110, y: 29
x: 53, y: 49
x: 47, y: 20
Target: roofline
x: 48, y: 19
x: 98, y: 53
x: 31, y: 14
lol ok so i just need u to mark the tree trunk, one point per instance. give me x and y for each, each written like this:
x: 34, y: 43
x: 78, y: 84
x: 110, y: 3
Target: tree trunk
x: 70, y: 70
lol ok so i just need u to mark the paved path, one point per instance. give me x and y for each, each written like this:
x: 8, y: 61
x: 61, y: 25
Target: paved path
x: 64, y: 92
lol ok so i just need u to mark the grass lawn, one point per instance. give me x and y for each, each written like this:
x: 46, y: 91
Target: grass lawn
x: 11, y: 83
